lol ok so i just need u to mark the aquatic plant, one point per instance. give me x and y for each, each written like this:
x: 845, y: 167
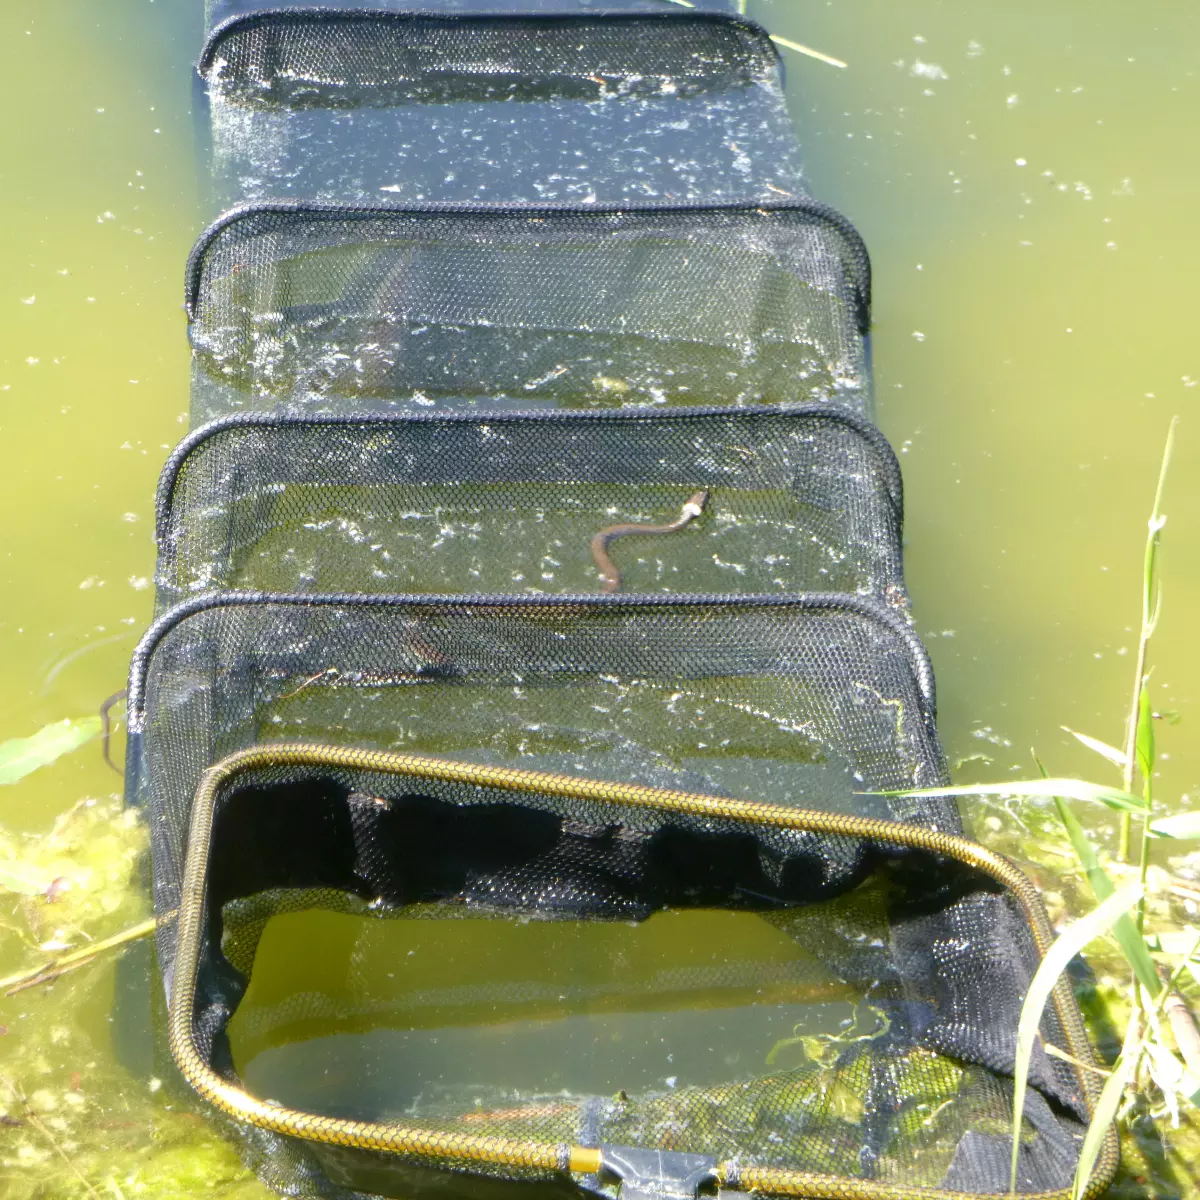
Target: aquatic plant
x: 1147, y: 1060
x: 21, y: 756
x: 74, y: 1119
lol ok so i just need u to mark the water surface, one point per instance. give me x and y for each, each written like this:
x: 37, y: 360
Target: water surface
x: 1021, y: 176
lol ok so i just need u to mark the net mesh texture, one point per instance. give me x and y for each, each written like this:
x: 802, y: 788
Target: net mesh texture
x: 217, y: 12
x: 327, y: 310
x: 511, y: 307
x: 803, y: 500
x: 894, y: 977
x: 358, y: 107
x: 803, y: 701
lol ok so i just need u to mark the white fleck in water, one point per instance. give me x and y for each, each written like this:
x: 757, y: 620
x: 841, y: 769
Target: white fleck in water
x: 927, y: 70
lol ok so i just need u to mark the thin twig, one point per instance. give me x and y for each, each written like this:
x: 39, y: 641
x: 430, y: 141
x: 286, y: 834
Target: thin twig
x: 50, y: 971
x: 36, y: 1122
x: 788, y: 44
x: 1055, y: 1052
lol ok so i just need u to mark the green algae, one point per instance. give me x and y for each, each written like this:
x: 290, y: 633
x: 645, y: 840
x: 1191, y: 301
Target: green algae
x: 76, y: 1120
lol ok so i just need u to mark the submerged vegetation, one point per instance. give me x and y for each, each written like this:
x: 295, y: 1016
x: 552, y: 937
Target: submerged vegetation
x: 74, y: 1122
x: 1156, y: 1071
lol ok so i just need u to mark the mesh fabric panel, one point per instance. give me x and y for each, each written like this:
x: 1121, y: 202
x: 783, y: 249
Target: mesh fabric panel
x: 796, y: 501
x: 219, y: 11
x: 928, y: 958
x: 361, y: 107
x: 804, y: 701
x: 328, y: 310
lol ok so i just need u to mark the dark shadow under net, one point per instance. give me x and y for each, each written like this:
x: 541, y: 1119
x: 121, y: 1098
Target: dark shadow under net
x: 934, y: 958
x: 796, y: 501
x: 358, y: 108
x: 335, y: 311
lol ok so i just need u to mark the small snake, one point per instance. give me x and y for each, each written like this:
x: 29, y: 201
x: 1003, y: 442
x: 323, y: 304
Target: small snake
x: 106, y: 727
x: 600, y: 541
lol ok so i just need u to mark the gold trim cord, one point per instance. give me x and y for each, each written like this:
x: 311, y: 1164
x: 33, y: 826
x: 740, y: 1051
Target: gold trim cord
x: 495, y: 1151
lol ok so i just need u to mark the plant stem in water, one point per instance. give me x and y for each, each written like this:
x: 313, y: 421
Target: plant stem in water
x: 50, y: 971
x: 1150, y: 600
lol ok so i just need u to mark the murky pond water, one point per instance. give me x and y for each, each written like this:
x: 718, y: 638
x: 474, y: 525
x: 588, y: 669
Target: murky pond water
x: 1022, y: 180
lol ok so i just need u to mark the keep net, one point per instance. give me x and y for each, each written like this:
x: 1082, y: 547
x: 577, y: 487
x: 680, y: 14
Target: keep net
x: 802, y: 701
x: 791, y: 501
x: 843, y: 1032
x: 333, y: 310
x: 366, y: 106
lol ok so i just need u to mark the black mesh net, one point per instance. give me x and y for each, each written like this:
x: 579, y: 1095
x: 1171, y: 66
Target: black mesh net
x: 762, y: 997
x: 219, y: 11
x: 333, y: 310
x: 520, y: 302
x: 804, y: 701
x: 359, y: 107
x: 780, y: 501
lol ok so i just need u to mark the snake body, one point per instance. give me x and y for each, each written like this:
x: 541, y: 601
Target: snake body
x: 106, y: 726
x: 601, y: 541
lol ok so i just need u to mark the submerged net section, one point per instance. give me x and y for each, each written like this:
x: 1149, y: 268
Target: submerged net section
x: 358, y: 107
x: 789, y: 501
x: 856, y: 1028
x: 507, y: 882
x: 808, y: 701
x: 217, y: 12
x: 318, y: 310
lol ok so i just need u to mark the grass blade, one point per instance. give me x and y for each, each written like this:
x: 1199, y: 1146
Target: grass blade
x: 1183, y: 826
x: 1098, y: 922
x: 788, y: 44
x: 1170, y: 1074
x: 1178, y: 943
x: 1106, y: 1109
x: 1076, y: 789
x: 1115, y: 756
x: 22, y: 756
x: 1145, y: 735
x: 1132, y: 944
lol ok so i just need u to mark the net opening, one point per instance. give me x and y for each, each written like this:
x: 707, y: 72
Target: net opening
x: 326, y: 309
x: 700, y: 501
x: 354, y: 106
x: 927, y: 950
x: 806, y: 700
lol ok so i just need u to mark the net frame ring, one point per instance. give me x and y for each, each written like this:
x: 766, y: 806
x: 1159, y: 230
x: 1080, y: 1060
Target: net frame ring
x: 645, y: 1174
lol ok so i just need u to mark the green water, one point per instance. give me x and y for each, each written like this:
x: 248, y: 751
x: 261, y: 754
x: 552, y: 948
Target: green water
x: 509, y: 1009
x: 1022, y: 178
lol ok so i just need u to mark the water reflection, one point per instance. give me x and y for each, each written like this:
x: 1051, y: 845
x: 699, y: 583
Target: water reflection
x: 370, y: 1018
